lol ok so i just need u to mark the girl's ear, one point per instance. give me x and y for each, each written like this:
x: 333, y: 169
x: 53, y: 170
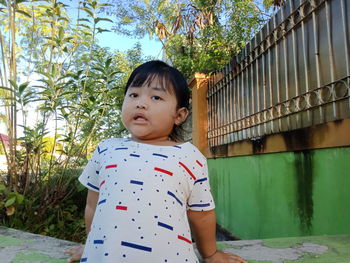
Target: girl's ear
x: 181, y: 116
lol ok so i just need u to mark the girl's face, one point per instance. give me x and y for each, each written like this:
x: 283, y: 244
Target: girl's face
x: 150, y: 112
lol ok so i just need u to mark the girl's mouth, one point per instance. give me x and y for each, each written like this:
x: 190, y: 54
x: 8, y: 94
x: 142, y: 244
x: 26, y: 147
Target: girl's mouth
x: 140, y: 118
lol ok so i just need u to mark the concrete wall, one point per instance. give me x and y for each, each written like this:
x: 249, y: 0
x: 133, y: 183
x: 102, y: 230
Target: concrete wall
x: 283, y: 194
x: 22, y: 247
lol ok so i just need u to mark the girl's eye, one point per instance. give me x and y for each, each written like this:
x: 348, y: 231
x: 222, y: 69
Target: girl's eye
x: 133, y: 95
x: 156, y: 98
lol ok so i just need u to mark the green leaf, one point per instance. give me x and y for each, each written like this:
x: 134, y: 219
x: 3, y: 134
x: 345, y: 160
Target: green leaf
x: 86, y: 26
x: 23, y: 13
x: 67, y: 39
x: 22, y: 87
x: 6, y: 88
x: 60, y: 33
x: 88, y: 11
x: 13, y: 84
x: 10, y: 201
x: 101, y: 30
x: 83, y: 19
x: 99, y: 69
x: 104, y: 4
x: 87, y: 34
x: 11, y: 195
x: 9, y: 98
x: 19, y: 199
x: 96, y: 20
x: 64, y: 19
x: 108, y: 62
x: 45, y: 109
x: 21, y: 1
x: 2, y: 187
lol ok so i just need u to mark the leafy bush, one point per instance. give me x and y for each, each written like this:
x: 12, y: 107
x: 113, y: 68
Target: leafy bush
x: 9, y: 200
x: 76, y: 88
x: 55, y: 209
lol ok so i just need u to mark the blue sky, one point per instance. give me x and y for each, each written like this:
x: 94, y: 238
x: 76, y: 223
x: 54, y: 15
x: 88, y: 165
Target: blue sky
x: 117, y: 41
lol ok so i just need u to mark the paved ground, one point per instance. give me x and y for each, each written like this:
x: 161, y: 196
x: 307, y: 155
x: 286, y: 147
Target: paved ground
x: 22, y: 247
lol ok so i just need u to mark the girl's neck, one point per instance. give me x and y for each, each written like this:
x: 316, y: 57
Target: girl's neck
x: 166, y: 141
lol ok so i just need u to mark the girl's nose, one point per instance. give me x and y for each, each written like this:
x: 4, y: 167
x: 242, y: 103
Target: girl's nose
x: 140, y: 105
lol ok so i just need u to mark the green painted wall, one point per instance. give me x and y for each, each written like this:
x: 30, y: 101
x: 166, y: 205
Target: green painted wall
x: 283, y: 194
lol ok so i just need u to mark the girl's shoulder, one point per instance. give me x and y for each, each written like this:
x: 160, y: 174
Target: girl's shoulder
x: 187, y: 150
x: 109, y: 142
x: 194, y: 150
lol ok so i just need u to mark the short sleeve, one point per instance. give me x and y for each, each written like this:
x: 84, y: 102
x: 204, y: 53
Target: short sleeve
x: 90, y: 175
x: 201, y: 198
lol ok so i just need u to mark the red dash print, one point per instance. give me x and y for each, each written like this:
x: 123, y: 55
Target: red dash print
x: 184, y: 239
x: 120, y: 207
x: 201, y: 165
x: 188, y: 170
x: 102, y: 183
x: 163, y: 171
x: 111, y: 166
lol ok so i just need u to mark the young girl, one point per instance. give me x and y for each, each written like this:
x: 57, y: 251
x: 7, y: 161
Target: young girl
x: 145, y: 192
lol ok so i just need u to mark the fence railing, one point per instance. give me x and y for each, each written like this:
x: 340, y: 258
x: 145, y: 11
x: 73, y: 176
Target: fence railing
x: 294, y: 73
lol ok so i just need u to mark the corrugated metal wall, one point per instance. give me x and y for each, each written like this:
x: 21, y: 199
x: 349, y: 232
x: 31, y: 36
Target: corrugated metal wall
x: 294, y: 73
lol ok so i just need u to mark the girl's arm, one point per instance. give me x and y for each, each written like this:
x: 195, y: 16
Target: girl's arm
x: 91, y: 203
x: 203, y: 225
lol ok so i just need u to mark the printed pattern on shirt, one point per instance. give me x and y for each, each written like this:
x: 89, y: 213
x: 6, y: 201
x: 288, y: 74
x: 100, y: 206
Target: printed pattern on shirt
x: 144, y: 192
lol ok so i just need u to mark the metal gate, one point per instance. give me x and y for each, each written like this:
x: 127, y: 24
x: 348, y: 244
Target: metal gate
x: 294, y: 73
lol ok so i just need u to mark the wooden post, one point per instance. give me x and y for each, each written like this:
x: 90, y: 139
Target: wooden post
x: 199, y: 87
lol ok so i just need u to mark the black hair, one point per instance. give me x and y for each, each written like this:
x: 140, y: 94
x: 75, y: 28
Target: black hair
x: 171, y: 79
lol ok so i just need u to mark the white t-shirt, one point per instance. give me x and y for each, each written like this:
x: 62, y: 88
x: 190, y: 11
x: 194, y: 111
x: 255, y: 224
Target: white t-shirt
x: 144, y: 192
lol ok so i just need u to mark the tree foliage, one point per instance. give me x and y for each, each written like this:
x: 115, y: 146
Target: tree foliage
x: 198, y: 35
x: 53, y: 65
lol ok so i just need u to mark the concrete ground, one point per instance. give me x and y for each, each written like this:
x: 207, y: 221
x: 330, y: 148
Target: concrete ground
x: 22, y: 247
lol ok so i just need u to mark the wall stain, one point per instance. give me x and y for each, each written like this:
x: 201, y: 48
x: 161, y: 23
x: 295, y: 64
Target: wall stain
x: 303, y: 163
x: 297, y: 139
x: 219, y: 151
x: 338, y: 122
x: 258, y: 144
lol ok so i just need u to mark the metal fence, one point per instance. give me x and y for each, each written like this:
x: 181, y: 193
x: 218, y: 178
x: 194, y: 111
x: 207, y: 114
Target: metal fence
x: 294, y: 73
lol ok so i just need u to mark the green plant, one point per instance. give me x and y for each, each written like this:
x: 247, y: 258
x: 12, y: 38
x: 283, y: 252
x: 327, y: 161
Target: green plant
x: 197, y: 35
x: 77, y: 95
x: 55, y: 209
x: 9, y: 200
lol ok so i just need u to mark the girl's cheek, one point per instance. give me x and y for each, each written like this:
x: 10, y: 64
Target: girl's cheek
x: 124, y: 104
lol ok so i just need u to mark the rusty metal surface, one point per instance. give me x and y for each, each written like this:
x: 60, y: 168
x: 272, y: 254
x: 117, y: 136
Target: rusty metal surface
x: 294, y: 73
